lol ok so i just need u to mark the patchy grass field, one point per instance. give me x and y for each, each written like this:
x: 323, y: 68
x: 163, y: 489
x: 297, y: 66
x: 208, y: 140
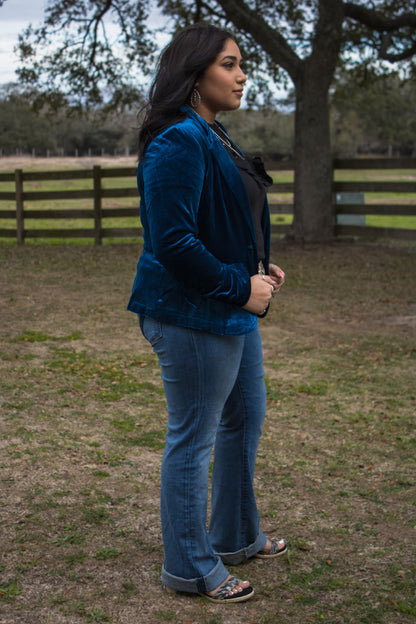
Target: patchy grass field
x: 82, y: 427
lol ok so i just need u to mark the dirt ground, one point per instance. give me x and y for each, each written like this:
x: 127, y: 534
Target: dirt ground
x: 81, y: 441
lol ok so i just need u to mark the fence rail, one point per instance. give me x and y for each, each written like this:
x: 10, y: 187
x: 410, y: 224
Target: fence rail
x: 348, y: 200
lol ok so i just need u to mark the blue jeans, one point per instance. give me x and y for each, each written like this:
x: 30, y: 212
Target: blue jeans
x: 215, y: 394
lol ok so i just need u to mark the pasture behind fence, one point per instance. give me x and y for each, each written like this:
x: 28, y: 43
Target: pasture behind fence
x: 110, y: 201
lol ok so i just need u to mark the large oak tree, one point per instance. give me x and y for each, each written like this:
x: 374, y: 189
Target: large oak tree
x: 90, y: 51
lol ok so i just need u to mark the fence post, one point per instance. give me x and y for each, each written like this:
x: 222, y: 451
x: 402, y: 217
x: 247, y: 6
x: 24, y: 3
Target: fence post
x: 97, y: 205
x: 20, y: 225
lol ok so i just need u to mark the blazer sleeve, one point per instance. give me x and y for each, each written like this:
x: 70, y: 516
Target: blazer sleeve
x: 174, y: 172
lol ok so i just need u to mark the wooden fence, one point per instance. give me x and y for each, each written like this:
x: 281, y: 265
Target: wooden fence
x: 348, y: 200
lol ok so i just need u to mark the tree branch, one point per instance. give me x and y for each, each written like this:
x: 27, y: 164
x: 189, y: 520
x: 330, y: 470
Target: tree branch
x: 391, y: 56
x: 387, y: 27
x: 327, y: 38
x: 376, y: 21
x: 271, y: 41
x: 96, y: 20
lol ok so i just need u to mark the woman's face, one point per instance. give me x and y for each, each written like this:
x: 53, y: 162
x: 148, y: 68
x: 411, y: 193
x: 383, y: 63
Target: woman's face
x: 221, y: 85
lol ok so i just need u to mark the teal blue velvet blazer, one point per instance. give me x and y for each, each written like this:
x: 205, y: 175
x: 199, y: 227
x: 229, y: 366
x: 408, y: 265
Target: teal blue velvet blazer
x: 199, y: 241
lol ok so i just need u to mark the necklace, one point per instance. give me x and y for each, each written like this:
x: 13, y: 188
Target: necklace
x: 225, y: 140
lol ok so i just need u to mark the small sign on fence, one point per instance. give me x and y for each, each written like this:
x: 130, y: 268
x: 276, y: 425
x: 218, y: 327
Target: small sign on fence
x: 350, y: 198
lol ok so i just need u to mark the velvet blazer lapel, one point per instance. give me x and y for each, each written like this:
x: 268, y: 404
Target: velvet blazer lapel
x: 226, y: 167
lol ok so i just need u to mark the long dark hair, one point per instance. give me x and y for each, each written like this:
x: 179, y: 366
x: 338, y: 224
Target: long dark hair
x: 180, y: 65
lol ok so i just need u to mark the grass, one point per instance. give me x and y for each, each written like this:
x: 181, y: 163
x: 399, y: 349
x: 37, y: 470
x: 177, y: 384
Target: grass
x: 82, y: 429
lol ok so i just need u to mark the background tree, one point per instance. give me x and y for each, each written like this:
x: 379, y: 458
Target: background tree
x: 301, y: 41
x: 268, y: 132
x: 88, y: 53
x: 373, y: 113
x: 21, y: 130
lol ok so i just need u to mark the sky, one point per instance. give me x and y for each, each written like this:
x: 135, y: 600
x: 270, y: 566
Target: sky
x: 15, y: 16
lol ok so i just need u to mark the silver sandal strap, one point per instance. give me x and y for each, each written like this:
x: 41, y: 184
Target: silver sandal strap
x: 225, y: 589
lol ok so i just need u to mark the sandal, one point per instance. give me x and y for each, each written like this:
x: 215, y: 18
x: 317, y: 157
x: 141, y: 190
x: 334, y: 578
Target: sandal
x: 276, y: 549
x: 222, y: 594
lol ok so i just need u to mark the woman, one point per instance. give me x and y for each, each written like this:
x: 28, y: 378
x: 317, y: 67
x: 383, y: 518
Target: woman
x: 202, y: 279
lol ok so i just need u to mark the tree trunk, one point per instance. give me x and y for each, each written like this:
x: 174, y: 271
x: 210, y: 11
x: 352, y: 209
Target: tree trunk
x: 314, y: 217
x: 314, y: 214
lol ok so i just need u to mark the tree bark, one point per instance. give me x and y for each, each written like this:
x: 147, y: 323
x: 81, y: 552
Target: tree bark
x: 314, y: 214
x: 313, y: 219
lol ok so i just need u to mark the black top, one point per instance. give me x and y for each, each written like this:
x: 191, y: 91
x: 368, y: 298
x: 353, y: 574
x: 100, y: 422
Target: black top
x: 255, y: 180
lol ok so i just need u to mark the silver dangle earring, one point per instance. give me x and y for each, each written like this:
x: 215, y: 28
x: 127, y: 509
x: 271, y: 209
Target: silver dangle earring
x: 195, y: 98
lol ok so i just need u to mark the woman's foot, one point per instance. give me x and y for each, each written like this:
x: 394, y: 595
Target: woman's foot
x: 272, y: 549
x: 232, y: 590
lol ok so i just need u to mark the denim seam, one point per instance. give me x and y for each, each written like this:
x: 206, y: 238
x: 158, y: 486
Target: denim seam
x: 189, y: 530
x: 244, y: 463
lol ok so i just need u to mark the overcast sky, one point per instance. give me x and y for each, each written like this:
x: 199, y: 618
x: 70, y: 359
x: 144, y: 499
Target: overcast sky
x: 15, y: 16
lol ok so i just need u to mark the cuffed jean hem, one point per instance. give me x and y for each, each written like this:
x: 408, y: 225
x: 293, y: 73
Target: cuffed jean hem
x: 197, y: 585
x: 240, y: 556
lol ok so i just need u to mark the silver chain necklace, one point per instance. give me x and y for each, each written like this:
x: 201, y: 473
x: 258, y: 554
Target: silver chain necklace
x: 225, y: 140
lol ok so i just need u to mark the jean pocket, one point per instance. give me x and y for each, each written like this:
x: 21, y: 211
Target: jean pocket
x: 151, y: 329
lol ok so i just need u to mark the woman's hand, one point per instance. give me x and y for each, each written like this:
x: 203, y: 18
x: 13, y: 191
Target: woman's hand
x: 278, y: 275
x: 262, y: 290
